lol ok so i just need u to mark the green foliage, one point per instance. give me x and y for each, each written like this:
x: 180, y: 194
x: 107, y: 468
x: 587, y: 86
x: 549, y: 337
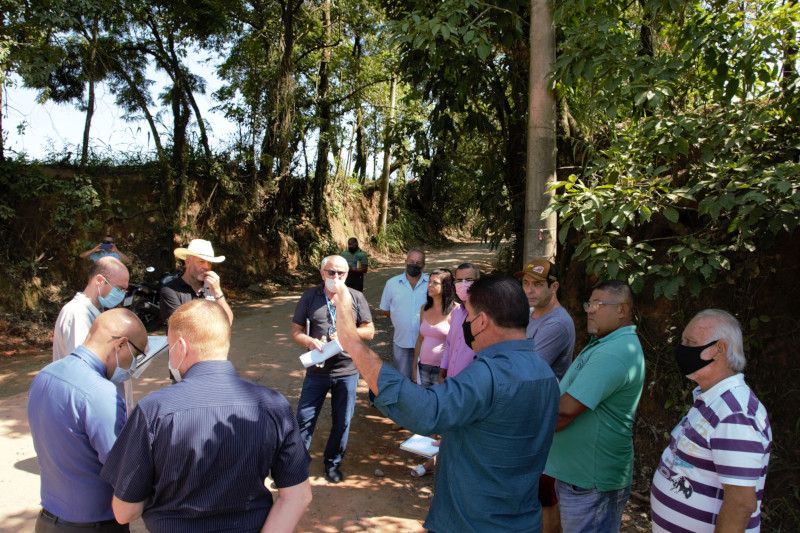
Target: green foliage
x: 700, y: 135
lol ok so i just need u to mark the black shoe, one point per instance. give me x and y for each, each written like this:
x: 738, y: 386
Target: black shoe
x: 333, y: 474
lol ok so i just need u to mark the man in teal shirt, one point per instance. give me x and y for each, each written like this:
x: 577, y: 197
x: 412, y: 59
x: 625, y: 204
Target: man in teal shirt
x: 358, y: 262
x: 592, y: 453
x: 496, y: 417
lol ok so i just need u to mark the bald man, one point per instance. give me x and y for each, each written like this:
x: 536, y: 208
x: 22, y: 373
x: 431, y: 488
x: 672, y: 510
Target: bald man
x: 105, y: 288
x: 75, y: 414
x: 203, y: 468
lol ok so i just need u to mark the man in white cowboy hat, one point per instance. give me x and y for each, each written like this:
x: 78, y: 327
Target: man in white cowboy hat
x: 198, y: 281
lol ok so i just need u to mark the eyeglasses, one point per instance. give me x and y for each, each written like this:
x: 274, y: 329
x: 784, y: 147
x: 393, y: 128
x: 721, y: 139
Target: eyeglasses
x: 141, y: 352
x: 335, y: 273
x: 594, y: 306
x: 105, y: 280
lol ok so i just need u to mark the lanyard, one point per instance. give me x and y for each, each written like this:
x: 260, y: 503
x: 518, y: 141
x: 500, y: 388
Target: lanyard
x: 332, y: 315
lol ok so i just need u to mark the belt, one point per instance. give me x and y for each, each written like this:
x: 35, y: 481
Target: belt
x: 56, y: 520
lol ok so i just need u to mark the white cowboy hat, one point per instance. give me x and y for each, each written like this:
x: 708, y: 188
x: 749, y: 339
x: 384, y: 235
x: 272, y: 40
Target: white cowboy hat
x: 199, y: 248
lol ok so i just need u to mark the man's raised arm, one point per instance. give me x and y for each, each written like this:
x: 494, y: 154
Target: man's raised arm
x: 367, y: 361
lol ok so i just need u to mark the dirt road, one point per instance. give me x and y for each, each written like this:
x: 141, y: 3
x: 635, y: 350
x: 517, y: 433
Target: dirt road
x: 262, y: 351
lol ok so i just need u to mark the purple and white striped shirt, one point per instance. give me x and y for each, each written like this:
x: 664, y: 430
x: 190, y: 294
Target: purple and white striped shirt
x: 725, y: 438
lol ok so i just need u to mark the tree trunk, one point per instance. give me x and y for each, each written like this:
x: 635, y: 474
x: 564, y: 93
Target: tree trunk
x: 87, y: 126
x: 360, y: 169
x: 387, y: 159
x: 321, y: 173
x: 540, y: 235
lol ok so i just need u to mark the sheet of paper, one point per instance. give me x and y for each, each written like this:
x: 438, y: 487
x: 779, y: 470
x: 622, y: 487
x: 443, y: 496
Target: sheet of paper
x: 315, y: 357
x: 421, y: 445
x: 156, y: 345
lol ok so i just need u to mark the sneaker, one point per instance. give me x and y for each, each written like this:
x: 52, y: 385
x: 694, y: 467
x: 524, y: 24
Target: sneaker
x: 333, y: 474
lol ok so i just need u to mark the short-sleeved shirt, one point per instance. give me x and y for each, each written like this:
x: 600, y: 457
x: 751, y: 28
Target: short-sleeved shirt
x: 554, y: 338
x: 75, y: 414
x: 313, y: 306
x: 173, y: 295
x: 404, y: 303
x: 73, y: 325
x: 457, y: 355
x: 96, y: 256
x: 596, y: 449
x: 355, y: 279
x: 496, y: 419
x: 198, y: 452
x: 725, y: 438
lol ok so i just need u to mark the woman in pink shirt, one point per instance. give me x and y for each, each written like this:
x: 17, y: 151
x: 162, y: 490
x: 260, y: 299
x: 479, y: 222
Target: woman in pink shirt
x: 434, y: 325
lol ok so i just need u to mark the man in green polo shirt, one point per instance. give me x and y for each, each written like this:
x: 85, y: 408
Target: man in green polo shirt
x: 358, y: 262
x: 592, y: 454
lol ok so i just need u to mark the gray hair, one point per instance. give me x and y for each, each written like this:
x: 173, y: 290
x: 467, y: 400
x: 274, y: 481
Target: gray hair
x: 728, y: 328
x: 332, y: 258
x: 418, y: 250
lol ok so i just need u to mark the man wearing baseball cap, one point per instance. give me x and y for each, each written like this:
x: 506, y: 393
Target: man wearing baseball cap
x: 553, y: 334
x: 198, y: 280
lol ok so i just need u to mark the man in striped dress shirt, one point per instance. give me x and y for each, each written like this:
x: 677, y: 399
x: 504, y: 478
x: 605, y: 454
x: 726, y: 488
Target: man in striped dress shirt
x: 711, y: 476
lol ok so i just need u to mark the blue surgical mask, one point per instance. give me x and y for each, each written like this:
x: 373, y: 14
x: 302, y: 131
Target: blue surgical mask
x: 174, y: 370
x: 120, y: 374
x: 113, y: 299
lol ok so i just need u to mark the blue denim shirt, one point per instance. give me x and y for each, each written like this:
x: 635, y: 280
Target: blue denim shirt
x: 75, y: 415
x: 497, y: 419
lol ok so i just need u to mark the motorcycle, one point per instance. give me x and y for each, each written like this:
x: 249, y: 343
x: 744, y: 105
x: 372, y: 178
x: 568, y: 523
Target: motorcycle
x: 143, y: 299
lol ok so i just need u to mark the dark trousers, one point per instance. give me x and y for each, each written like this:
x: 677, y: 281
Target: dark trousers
x: 343, y: 402
x: 50, y: 523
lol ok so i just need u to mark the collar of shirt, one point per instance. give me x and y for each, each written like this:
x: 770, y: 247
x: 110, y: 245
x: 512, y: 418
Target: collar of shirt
x: 506, y: 346
x: 90, y: 358
x: 423, y: 278
x: 204, y: 368
x: 716, y: 391
x: 619, y: 332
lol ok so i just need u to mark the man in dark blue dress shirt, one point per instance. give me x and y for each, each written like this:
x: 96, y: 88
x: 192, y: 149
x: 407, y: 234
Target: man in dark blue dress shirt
x: 194, y: 456
x: 75, y: 414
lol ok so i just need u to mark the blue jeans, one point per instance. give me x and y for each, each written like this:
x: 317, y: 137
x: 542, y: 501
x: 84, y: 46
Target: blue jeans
x: 403, y: 359
x: 343, y: 402
x: 590, y: 511
x: 428, y: 375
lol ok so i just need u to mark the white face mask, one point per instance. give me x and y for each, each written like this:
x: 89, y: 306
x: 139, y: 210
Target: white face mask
x: 332, y: 284
x: 176, y: 374
x: 120, y: 374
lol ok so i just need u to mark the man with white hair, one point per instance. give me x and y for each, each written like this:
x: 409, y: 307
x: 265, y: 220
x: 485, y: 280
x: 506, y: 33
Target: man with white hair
x: 197, y: 281
x: 314, y: 325
x: 711, y: 476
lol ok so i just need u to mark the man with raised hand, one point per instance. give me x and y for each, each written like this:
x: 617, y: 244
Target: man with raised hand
x: 75, y: 414
x: 711, y: 476
x: 197, y: 281
x: 496, y: 417
x: 194, y: 456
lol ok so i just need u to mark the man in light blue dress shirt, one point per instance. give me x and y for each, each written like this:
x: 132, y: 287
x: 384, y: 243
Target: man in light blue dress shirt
x: 402, y: 298
x: 75, y: 414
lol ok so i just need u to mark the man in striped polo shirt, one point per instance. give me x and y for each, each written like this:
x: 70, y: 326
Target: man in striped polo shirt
x: 711, y: 476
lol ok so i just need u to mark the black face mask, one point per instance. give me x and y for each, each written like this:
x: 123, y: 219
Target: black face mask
x: 413, y: 270
x: 353, y: 249
x: 469, y: 338
x: 688, y: 358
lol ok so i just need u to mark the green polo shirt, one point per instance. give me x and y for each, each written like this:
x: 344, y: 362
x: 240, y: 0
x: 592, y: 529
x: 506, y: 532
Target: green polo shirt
x: 596, y: 449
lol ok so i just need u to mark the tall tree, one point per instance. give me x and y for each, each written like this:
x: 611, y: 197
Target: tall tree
x: 540, y: 233
x: 387, y: 160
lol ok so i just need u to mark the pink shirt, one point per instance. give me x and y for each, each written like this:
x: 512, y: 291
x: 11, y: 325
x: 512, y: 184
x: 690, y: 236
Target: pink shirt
x: 457, y: 355
x: 433, y: 339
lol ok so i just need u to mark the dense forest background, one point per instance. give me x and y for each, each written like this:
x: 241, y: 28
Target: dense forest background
x: 677, y: 167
